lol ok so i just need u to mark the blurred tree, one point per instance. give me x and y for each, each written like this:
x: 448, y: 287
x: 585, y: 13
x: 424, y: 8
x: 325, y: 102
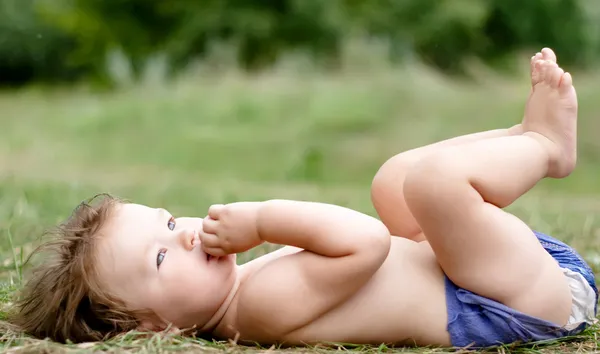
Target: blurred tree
x: 560, y: 24
x: 42, y: 39
x: 262, y: 30
x: 29, y: 48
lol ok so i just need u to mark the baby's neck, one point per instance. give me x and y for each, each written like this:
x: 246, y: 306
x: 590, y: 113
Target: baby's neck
x: 218, y: 316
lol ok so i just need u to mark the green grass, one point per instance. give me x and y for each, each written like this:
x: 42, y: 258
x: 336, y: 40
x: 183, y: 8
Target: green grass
x: 221, y: 138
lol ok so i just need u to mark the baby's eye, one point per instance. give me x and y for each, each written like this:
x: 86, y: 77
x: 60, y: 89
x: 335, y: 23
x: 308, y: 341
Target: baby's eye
x: 161, y: 256
x: 171, y: 223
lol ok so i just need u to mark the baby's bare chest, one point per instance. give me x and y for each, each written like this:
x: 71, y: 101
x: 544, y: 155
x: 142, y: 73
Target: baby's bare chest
x: 403, y: 303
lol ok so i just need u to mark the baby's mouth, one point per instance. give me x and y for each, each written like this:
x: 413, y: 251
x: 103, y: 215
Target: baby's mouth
x: 210, y: 258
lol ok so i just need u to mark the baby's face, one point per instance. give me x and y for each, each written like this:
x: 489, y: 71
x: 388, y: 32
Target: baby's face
x: 153, y: 261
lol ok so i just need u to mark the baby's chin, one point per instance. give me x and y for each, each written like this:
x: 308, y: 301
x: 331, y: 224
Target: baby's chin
x: 225, y: 264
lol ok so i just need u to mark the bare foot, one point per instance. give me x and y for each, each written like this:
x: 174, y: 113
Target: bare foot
x: 551, y: 116
x: 544, y: 54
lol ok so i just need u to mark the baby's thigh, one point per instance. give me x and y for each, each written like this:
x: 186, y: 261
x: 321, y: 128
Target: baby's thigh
x: 488, y: 251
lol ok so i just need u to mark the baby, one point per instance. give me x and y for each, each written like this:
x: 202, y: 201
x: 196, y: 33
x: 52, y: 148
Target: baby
x: 458, y: 272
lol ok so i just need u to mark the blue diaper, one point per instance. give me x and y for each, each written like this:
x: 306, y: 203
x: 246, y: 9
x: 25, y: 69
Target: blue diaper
x: 477, y: 322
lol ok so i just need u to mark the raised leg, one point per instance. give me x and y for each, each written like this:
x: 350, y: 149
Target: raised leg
x: 387, y: 188
x: 456, y: 196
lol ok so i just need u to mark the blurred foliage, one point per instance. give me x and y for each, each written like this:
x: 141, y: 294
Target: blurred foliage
x: 66, y: 39
x: 30, y: 48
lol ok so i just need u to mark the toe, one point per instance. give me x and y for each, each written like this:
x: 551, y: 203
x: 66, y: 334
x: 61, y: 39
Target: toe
x: 548, y: 54
x: 542, y: 67
x: 556, y: 76
x: 536, y: 71
x: 566, y: 82
x: 535, y: 59
x: 547, y: 70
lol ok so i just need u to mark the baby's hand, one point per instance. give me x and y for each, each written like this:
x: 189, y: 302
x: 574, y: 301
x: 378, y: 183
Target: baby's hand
x: 230, y: 228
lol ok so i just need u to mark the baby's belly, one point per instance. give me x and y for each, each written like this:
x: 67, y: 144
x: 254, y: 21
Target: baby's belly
x: 403, y: 304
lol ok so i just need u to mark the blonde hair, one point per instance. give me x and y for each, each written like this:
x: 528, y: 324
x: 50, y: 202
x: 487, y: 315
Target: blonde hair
x: 63, y: 299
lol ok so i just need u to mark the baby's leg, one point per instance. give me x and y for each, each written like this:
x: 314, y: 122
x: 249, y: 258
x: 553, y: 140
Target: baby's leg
x: 387, y: 188
x: 387, y: 192
x: 456, y: 195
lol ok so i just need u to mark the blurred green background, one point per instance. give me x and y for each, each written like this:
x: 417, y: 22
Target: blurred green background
x: 182, y: 103
x: 58, y: 40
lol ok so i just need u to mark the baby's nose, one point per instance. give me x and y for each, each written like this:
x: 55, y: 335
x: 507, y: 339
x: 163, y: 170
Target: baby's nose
x: 189, y: 238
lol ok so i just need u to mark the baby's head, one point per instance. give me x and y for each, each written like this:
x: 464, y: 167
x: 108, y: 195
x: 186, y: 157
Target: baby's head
x: 116, y: 267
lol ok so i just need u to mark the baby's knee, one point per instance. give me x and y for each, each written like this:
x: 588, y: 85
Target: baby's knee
x: 390, y: 176
x: 433, y: 177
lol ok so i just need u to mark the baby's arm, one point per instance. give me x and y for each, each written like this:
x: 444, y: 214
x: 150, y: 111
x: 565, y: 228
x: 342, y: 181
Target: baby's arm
x: 345, y: 248
x: 324, y: 229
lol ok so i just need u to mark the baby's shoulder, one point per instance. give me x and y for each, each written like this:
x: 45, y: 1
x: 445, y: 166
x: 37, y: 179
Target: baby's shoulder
x: 256, y: 264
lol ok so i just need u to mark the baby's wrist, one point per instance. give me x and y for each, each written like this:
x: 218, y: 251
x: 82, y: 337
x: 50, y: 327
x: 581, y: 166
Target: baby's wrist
x: 262, y: 209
